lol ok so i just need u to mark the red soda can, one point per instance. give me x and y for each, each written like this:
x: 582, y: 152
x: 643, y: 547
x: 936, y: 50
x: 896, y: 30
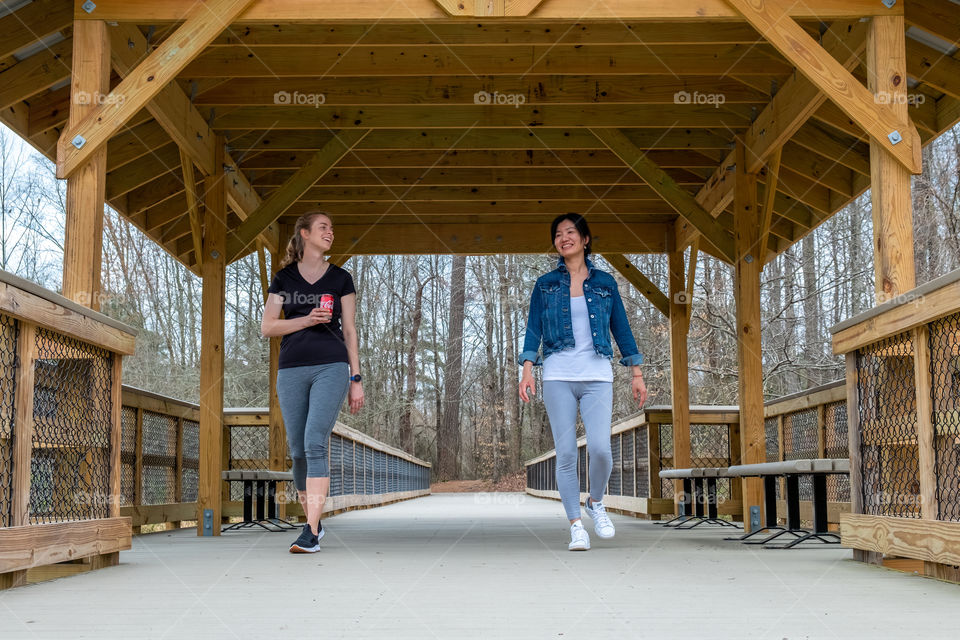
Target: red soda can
x: 326, y: 302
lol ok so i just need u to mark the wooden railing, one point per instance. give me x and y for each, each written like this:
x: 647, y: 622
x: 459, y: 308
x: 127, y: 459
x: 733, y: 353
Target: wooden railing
x: 642, y: 445
x: 811, y: 424
x: 161, y: 450
x: 60, y: 432
x: 903, y: 393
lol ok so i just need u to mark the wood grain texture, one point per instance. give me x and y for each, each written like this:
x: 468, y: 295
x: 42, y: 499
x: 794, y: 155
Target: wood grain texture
x: 921, y: 539
x: 33, y: 545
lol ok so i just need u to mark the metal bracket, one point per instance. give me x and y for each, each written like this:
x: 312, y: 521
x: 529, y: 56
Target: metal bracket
x: 754, y: 518
x: 208, y: 522
x: 78, y: 141
x: 889, y: 3
x: 894, y: 137
x: 88, y: 6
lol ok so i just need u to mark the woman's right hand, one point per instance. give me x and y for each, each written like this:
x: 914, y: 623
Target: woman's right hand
x: 527, y: 386
x: 317, y: 316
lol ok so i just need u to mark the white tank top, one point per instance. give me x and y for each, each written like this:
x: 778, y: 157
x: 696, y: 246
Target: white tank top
x: 582, y: 363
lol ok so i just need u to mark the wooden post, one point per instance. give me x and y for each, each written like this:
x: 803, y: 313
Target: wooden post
x: 138, y: 462
x: 925, y: 439
x: 679, y: 375
x: 749, y: 264
x: 278, y: 434
x: 889, y: 179
x: 178, y: 469
x: 116, y: 444
x: 736, y: 484
x: 211, y: 346
x: 780, y: 453
x: 22, y: 440
x: 853, y: 435
x: 653, y: 456
x: 83, y: 233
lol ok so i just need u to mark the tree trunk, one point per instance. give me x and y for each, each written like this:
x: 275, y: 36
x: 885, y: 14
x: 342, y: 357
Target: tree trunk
x: 448, y: 438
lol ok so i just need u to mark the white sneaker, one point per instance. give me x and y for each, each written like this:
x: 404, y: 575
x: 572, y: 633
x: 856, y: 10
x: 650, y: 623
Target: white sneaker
x: 579, y: 540
x: 602, y: 525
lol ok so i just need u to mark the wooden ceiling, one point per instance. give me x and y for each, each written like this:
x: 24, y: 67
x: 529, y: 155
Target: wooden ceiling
x: 409, y: 149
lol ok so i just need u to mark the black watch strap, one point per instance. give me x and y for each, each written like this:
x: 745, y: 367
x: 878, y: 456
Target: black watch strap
x: 356, y: 377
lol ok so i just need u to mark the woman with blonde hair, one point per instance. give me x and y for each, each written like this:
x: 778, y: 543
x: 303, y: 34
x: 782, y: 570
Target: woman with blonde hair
x: 319, y: 359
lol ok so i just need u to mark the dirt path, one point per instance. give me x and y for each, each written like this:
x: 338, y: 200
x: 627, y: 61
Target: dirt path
x: 516, y: 482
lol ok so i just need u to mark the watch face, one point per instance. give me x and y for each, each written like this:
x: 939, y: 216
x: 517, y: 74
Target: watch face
x: 356, y: 378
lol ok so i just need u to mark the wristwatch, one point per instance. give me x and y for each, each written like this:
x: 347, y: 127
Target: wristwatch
x: 356, y: 378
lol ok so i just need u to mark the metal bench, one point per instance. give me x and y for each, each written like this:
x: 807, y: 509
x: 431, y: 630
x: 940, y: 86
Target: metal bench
x: 261, y: 483
x: 819, y: 468
x: 699, y: 487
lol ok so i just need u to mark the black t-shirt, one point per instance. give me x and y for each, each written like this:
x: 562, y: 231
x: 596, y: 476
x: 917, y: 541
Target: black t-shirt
x: 322, y: 343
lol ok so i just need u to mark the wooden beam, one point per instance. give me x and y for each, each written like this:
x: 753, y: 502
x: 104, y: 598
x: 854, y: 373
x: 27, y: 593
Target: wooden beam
x: 680, y: 199
x: 889, y: 176
x: 193, y: 203
x: 211, y: 356
x: 734, y: 117
x: 933, y: 68
x: 932, y: 541
x: 878, y: 119
x: 33, y: 22
x: 183, y: 123
x: 641, y: 283
x: 926, y: 445
x: 938, y: 17
x: 788, y: 111
x: 461, y: 89
x: 691, y: 278
x: 748, y: 267
x: 477, y: 62
x: 298, y: 11
x: 83, y: 234
x: 773, y: 176
x: 290, y: 191
x: 679, y: 311
x: 35, y: 545
x: 489, y: 238
x: 37, y: 73
x: 202, y: 23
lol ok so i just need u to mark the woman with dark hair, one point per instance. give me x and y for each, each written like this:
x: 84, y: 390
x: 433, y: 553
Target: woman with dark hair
x: 319, y: 359
x: 573, y: 310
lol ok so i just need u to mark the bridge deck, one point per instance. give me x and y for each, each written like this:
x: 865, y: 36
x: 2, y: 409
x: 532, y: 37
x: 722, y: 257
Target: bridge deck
x: 478, y: 565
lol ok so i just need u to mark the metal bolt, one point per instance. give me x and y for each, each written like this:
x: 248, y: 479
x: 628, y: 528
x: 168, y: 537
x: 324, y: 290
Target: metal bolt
x: 78, y: 141
x: 214, y: 254
x: 748, y: 258
x: 88, y: 6
x: 889, y: 3
x: 894, y: 137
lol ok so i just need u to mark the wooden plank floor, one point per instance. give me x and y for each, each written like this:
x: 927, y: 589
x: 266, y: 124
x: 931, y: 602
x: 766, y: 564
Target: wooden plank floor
x: 479, y: 565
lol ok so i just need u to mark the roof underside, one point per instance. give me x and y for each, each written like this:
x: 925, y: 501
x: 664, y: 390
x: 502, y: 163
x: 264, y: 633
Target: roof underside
x: 435, y: 156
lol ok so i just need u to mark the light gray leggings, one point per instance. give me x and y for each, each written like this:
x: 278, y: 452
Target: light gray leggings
x: 595, y: 400
x: 310, y: 400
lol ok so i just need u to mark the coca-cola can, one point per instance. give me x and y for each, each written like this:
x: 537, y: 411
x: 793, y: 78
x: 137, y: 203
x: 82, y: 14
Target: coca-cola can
x: 326, y: 302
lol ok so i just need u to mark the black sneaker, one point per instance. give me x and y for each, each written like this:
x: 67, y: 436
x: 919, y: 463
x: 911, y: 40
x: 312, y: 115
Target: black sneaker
x: 307, y: 542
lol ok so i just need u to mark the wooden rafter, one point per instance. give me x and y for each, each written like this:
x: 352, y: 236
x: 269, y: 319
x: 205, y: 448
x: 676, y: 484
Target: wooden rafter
x: 202, y: 23
x: 684, y: 202
x: 898, y: 136
x: 773, y: 175
x: 642, y: 283
x: 298, y: 11
x: 288, y: 193
x: 183, y: 123
x: 193, y: 203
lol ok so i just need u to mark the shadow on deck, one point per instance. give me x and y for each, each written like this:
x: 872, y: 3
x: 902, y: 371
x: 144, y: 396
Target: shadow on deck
x: 479, y: 565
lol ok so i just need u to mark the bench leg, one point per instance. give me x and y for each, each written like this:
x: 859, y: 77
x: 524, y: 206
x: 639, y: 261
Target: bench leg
x: 770, y: 514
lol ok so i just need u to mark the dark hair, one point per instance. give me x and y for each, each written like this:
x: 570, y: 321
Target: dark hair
x: 295, y: 244
x: 582, y: 228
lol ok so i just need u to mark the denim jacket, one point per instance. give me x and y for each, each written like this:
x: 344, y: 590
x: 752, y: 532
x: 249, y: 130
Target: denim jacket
x: 550, y: 323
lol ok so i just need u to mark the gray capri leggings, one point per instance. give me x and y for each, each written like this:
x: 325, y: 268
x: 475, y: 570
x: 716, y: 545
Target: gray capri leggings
x: 595, y: 400
x: 310, y: 400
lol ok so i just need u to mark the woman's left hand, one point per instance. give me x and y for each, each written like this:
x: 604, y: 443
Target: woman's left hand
x: 639, y: 389
x: 356, y: 397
